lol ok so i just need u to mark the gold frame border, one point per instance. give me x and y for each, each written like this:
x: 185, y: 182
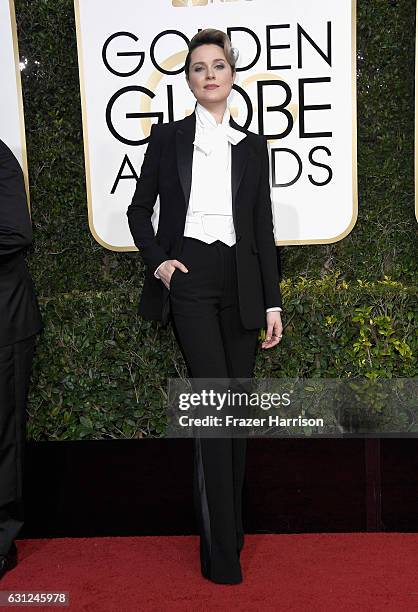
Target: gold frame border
x: 279, y: 242
x: 22, y: 130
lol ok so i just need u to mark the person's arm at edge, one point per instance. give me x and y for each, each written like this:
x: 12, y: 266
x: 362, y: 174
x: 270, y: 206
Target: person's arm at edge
x: 15, y: 221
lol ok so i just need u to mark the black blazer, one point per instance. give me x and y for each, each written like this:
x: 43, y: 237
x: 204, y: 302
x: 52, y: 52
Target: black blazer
x: 167, y: 171
x: 19, y: 312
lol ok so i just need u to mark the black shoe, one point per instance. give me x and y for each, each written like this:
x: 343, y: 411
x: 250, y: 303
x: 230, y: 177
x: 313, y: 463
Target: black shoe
x: 206, y: 573
x: 235, y: 580
x: 8, y: 561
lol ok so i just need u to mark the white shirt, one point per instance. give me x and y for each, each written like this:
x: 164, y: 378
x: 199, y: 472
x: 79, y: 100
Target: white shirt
x: 209, y: 214
x: 209, y: 211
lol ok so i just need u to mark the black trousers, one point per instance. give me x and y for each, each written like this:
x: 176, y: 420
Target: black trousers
x: 15, y: 370
x: 214, y: 344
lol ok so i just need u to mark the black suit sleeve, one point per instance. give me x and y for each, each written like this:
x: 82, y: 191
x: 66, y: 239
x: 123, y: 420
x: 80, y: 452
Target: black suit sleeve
x: 15, y: 223
x: 264, y: 234
x: 141, y: 208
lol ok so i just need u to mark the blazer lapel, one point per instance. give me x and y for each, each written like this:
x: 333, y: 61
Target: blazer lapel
x: 184, y: 148
x: 239, y: 156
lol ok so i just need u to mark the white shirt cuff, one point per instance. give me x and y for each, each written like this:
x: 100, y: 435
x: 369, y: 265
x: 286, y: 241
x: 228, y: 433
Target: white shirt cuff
x: 156, y: 269
x: 275, y: 308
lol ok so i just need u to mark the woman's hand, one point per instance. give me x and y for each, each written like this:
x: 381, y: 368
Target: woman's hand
x: 274, y: 329
x: 166, y: 270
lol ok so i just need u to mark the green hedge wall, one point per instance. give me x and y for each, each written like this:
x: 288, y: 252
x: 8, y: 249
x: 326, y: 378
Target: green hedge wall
x: 99, y: 371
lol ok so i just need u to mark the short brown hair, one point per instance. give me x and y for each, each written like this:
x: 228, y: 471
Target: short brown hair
x: 210, y: 36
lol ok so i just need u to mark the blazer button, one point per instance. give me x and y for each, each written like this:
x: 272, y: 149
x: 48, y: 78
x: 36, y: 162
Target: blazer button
x: 238, y: 237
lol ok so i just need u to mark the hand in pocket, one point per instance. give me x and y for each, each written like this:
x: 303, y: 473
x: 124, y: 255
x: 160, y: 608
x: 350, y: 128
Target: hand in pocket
x: 166, y: 271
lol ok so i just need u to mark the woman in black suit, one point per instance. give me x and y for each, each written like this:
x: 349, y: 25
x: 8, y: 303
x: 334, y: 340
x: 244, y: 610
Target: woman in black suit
x: 212, y: 268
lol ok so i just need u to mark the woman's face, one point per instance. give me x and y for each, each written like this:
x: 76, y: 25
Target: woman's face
x: 210, y: 75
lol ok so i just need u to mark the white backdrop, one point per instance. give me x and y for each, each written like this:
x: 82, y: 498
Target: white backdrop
x: 11, y: 109
x: 307, y: 56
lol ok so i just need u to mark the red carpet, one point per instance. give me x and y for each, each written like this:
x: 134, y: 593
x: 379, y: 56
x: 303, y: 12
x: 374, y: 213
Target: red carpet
x: 306, y: 572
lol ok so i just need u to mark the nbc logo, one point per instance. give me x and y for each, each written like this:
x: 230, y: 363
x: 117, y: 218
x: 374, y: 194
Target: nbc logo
x: 201, y: 2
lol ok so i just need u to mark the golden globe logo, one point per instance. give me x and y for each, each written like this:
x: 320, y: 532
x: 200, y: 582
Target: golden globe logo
x: 202, y: 2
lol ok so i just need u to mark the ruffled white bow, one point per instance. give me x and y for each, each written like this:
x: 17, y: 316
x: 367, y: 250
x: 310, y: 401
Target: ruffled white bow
x: 207, y: 140
x: 211, y: 175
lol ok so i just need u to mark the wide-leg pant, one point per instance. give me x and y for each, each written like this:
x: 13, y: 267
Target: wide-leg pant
x: 15, y: 370
x: 208, y: 328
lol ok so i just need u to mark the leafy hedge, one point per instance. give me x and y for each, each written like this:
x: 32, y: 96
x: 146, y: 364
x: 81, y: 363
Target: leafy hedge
x: 99, y: 370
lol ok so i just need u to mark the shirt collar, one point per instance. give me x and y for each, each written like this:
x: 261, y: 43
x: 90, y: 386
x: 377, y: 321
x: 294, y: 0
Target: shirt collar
x: 206, y: 120
x: 207, y: 129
